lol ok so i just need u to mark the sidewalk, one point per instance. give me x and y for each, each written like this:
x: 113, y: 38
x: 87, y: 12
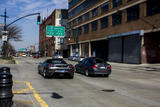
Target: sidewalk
x: 137, y: 67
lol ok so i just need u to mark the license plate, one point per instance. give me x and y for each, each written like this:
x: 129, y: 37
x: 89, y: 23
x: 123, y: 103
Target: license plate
x: 102, y: 67
x: 61, y: 71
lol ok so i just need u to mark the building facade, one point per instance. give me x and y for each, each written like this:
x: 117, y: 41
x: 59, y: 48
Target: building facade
x: 49, y: 46
x: 125, y: 31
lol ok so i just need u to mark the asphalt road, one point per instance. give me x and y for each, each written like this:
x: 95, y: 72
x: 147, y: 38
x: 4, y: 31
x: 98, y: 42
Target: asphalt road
x: 124, y: 88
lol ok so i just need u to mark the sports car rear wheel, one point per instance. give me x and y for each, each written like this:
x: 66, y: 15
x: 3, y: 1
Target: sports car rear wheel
x: 44, y: 73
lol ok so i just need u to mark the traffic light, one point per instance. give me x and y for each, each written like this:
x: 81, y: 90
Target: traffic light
x: 38, y: 20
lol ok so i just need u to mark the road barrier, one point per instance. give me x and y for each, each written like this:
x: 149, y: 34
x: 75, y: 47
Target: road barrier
x: 6, y: 84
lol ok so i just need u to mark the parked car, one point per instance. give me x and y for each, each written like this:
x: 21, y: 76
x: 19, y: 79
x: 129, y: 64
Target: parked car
x: 51, y: 67
x: 57, y: 56
x: 36, y: 56
x: 74, y: 58
x: 93, y: 66
x: 70, y: 58
x: 79, y: 58
x: 23, y: 54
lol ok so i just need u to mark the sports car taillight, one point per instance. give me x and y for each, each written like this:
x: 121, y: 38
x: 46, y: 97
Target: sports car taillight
x: 51, y: 65
x: 109, y: 67
x: 94, y: 66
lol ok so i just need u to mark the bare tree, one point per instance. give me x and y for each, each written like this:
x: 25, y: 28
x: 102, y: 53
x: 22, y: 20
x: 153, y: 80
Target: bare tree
x: 15, y: 34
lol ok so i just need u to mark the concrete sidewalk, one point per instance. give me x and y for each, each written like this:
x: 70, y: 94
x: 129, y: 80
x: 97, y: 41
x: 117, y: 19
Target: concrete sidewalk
x: 137, y: 67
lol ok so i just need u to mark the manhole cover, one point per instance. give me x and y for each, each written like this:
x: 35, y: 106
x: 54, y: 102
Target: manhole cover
x: 108, y: 90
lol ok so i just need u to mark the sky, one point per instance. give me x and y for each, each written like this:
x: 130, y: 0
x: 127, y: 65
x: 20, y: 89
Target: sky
x: 30, y: 29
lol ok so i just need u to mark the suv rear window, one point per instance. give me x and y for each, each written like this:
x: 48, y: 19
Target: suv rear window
x: 99, y: 61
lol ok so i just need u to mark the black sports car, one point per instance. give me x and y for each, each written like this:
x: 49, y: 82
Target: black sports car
x: 51, y: 67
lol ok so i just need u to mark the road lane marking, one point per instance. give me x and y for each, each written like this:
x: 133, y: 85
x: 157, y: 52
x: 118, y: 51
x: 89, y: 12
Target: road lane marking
x: 36, y: 95
x: 20, y: 91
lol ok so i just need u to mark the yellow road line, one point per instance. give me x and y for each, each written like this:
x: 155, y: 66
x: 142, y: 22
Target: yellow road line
x: 20, y: 91
x: 36, y: 95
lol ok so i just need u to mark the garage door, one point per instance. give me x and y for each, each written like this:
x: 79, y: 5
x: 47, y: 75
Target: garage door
x: 132, y: 49
x: 115, y: 50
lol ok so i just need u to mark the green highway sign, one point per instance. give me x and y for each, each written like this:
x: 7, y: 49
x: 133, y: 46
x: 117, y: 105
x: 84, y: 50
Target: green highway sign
x: 55, y: 31
x: 22, y: 49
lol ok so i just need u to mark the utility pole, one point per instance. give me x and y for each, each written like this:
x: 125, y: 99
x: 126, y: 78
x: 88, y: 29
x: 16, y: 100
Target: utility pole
x: 5, y: 34
x: 5, y: 42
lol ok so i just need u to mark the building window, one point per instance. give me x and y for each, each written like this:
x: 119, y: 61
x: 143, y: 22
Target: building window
x: 79, y: 30
x: 129, y: 0
x: 74, y: 32
x: 80, y: 20
x: 86, y: 16
x: 74, y: 22
x: 104, y: 7
x: 94, y: 12
x: 116, y: 18
x: 116, y: 3
x: 86, y: 28
x: 133, y: 13
x: 153, y: 7
x: 94, y: 25
x: 104, y: 22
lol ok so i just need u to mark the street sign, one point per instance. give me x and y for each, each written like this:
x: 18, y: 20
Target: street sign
x: 4, y: 38
x: 6, y: 32
x: 22, y: 49
x: 55, y: 31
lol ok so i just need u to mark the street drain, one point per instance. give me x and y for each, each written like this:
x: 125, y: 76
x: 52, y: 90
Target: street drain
x: 108, y: 90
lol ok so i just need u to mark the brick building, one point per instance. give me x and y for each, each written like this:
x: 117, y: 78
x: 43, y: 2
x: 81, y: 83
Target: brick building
x: 126, y: 31
x: 48, y: 46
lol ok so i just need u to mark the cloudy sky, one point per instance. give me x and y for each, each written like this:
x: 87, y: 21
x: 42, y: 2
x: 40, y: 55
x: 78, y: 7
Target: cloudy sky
x: 30, y: 29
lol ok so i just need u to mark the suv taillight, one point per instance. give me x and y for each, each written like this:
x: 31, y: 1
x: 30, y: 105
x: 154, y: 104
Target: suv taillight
x: 94, y: 66
x: 71, y: 66
x: 109, y: 67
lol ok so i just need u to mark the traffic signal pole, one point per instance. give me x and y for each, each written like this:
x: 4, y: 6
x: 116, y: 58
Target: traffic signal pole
x: 5, y: 28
